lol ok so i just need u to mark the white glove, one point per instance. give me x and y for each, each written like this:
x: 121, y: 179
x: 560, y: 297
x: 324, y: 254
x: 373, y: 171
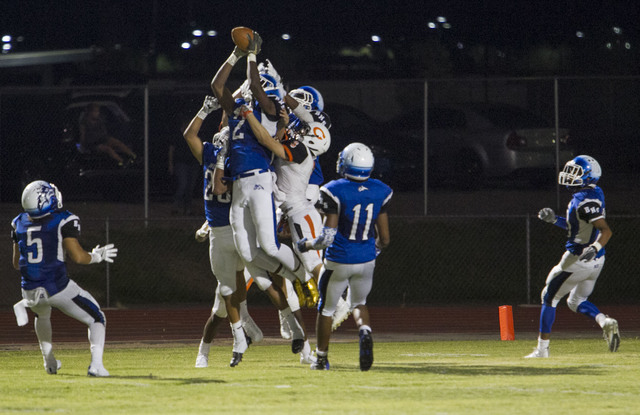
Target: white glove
x: 547, y: 215
x: 105, y: 253
x: 203, y: 233
x: 209, y: 105
x: 221, y: 139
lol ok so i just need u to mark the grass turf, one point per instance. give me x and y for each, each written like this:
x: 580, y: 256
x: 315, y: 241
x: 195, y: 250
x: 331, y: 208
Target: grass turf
x: 437, y: 377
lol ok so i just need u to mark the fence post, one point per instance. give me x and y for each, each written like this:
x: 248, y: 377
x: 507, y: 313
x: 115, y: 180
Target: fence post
x: 528, y: 247
x: 108, y: 275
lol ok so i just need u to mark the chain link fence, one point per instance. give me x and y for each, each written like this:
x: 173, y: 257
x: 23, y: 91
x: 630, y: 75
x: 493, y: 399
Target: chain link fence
x: 455, y: 239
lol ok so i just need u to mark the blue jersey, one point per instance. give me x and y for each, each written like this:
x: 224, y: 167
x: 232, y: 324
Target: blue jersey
x: 316, y: 174
x: 357, y: 205
x: 41, y: 250
x: 245, y: 152
x: 216, y: 208
x: 586, y: 206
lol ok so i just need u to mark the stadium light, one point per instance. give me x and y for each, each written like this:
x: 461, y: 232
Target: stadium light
x: 376, y: 38
x: 286, y: 36
x: 185, y: 45
x: 197, y: 33
x: 212, y: 33
x: 6, y: 38
x: 580, y: 34
x: 431, y: 25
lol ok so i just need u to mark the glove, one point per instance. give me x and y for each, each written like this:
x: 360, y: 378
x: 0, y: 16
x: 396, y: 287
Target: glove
x: 302, y: 246
x: 255, y: 44
x: 547, y: 215
x: 105, y: 253
x: 203, y: 232
x: 590, y: 252
x: 209, y: 105
x: 239, y: 53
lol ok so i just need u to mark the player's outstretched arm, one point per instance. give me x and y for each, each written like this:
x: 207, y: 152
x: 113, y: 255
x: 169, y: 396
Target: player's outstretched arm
x: 218, y: 83
x: 261, y: 133
x: 78, y: 255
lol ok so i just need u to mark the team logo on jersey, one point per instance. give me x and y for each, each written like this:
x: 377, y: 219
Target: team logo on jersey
x: 258, y: 187
x: 362, y: 188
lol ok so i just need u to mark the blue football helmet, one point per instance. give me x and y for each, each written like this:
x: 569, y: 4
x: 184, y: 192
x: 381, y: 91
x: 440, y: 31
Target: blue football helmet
x: 271, y: 86
x: 309, y: 97
x: 582, y: 171
x: 355, y: 162
x: 40, y: 198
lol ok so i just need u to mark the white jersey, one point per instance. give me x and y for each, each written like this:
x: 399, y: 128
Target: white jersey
x: 293, y: 176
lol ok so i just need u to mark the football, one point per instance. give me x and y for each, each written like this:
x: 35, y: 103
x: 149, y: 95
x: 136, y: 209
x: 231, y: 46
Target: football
x: 240, y: 36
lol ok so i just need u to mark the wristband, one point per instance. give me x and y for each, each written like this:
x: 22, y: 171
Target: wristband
x: 251, y: 57
x: 220, y: 163
x: 245, y: 113
x: 597, y: 245
x: 232, y: 59
x: 202, y: 114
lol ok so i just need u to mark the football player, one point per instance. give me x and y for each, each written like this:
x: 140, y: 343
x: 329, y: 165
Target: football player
x: 580, y: 266
x: 356, y: 228
x: 226, y: 264
x: 252, y: 209
x: 43, y: 236
x: 293, y: 166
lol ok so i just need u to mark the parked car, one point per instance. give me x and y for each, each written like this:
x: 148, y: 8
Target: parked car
x: 349, y: 125
x: 469, y: 143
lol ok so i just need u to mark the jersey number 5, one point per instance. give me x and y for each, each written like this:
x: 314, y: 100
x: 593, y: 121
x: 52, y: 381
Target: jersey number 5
x: 31, y: 240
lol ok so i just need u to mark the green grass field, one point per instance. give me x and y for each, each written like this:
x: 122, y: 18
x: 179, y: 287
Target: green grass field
x: 437, y: 377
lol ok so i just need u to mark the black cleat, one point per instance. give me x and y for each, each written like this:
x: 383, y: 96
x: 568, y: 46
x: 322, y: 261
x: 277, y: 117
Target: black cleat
x: 321, y: 363
x: 297, y: 345
x: 366, y: 350
x: 235, y: 359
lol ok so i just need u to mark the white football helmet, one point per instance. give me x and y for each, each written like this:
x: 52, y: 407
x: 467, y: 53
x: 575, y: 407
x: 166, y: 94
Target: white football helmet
x: 582, y: 171
x: 355, y: 162
x: 317, y: 138
x: 39, y: 198
x: 309, y: 97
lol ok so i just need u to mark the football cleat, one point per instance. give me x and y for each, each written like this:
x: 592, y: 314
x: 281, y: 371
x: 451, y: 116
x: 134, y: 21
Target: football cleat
x: 202, y: 360
x: 235, y: 359
x: 321, y: 363
x: 53, y: 368
x: 343, y: 309
x: 297, y: 345
x: 366, y: 350
x: 302, y: 298
x: 611, y: 333
x: 538, y: 353
x: 98, y: 372
x: 313, y: 295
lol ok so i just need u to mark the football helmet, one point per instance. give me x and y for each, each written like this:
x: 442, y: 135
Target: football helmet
x: 582, y: 171
x: 39, y: 198
x: 316, y: 137
x: 355, y: 162
x: 309, y: 97
x: 271, y: 86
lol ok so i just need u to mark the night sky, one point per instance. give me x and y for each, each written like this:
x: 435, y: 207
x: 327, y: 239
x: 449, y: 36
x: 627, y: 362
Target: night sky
x: 47, y: 24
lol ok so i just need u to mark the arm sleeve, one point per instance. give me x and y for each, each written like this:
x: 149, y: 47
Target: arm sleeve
x: 326, y: 204
x: 71, y: 229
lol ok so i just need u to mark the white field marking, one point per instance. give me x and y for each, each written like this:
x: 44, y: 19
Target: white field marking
x: 546, y: 391
x: 444, y: 354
